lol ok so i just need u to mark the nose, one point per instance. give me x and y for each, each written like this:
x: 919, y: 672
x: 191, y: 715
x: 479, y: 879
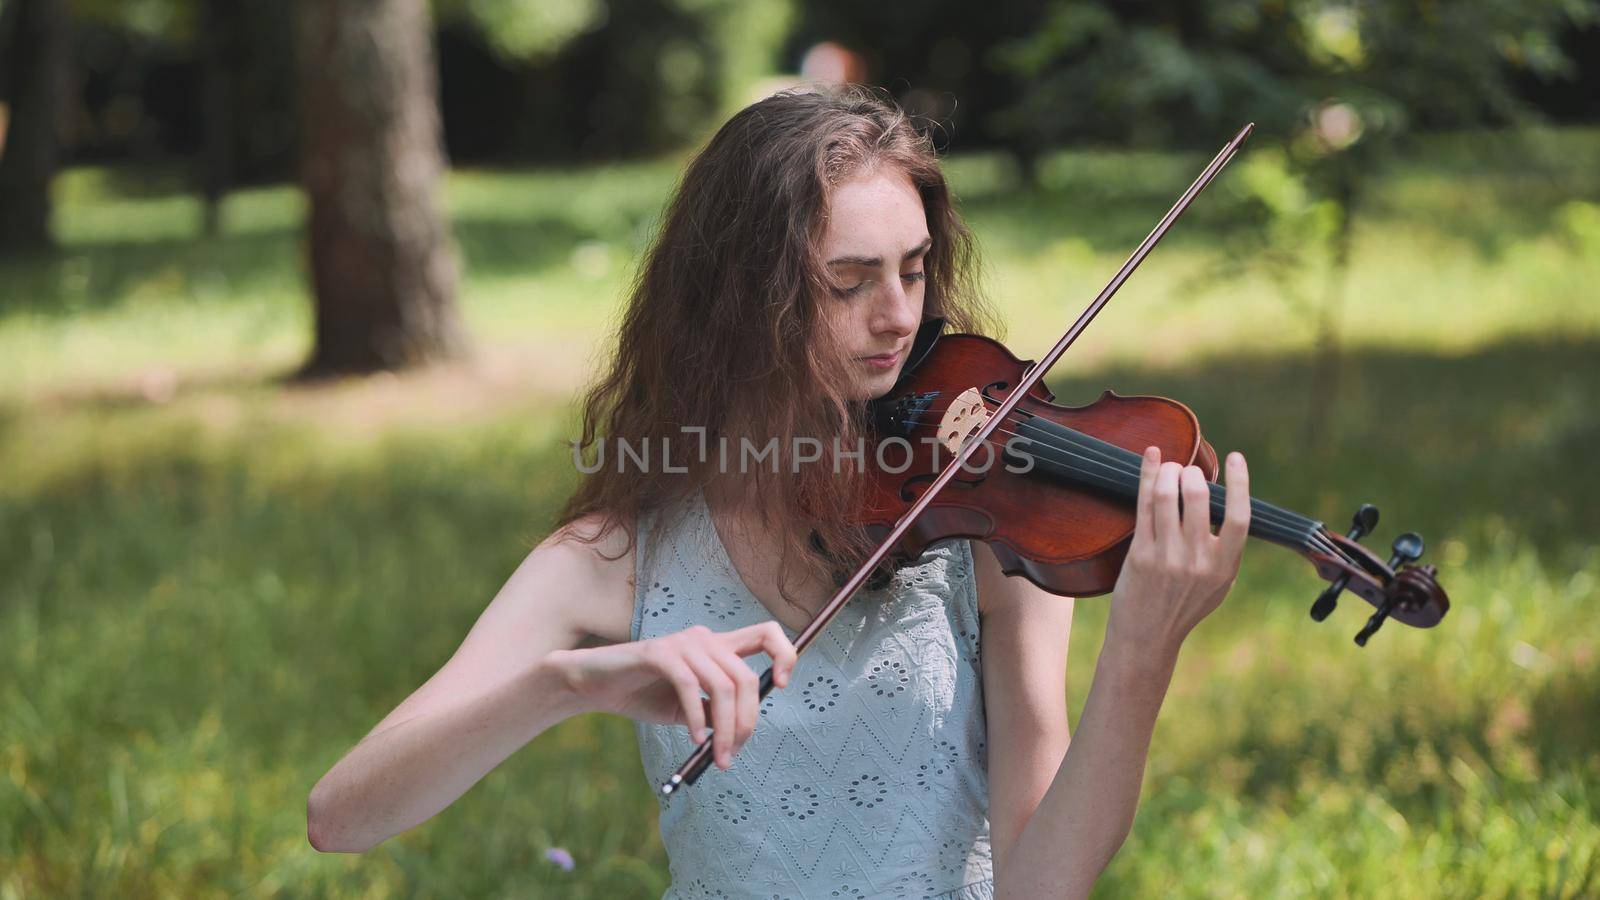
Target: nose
x: 899, y: 311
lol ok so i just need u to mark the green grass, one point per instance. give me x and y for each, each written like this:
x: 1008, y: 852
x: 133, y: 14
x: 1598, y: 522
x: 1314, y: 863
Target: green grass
x: 207, y: 597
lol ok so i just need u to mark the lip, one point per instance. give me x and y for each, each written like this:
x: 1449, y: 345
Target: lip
x: 883, y: 361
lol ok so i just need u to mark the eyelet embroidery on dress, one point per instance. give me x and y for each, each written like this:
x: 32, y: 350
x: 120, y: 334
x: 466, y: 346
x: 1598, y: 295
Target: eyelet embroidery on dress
x: 820, y: 693
x: 867, y: 791
x: 719, y: 604
x: 734, y: 806
x: 889, y: 678
x: 913, y: 884
x: 799, y: 801
x: 699, y: 888
x: 669, y: 599
x: 952, y: 855
x: 931, y: 772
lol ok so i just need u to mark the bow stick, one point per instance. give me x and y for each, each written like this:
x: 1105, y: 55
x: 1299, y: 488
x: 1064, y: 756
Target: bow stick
x: 697, y: 762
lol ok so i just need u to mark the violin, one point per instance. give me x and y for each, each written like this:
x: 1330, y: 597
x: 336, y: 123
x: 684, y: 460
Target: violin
x: 1054, y: 487
x: 1052, y: 491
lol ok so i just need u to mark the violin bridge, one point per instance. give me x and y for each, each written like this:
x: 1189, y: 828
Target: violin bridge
x: 965, y: 415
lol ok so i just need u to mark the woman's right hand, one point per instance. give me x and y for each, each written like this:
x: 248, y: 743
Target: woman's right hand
x: 660, y: 680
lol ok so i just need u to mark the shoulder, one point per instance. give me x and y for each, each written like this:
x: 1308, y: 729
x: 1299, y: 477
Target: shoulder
x: 583, y: 573
x: 1013, y: 597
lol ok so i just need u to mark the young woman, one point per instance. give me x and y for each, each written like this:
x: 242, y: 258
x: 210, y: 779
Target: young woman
x: 920, y: 748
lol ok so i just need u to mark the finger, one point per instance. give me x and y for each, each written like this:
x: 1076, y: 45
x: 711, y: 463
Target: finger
x: 1236, y: 518
x: 746, y: 695
x: 1196, y: 506
x: 687, y: 687
x: 768, y: 637
x: 1166, y: 502
x: 714, y: 681
x: 1144, y: 524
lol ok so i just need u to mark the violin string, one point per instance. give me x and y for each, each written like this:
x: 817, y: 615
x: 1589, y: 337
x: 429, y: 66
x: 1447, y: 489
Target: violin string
x: 1302, y: 531
x: 1263, y: 518
x: 1271, y: 520
x: 1265, y: 511
x: 1126, y: 461
x: 1130, y: 463
x: 1266, y: 522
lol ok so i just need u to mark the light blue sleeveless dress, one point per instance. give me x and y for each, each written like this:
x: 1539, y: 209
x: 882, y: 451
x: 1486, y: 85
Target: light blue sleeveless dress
x: 868, y: 775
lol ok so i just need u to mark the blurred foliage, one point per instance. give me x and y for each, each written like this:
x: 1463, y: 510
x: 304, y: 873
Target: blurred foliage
x: 526, y: 30
x: 1580, y: 221
x: 172, y: 21
x: 1181, y: 73
x: 932, y: 54
x: 732, y: 42
x: 213, y: 587
x: 1332, y: 83
x: 523, y: 79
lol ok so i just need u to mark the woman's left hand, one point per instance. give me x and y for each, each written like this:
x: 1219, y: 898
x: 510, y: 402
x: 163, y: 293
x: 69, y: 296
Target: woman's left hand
x: 1177, y: 571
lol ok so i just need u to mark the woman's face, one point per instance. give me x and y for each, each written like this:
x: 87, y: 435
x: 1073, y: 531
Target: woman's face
x: 875, y: 239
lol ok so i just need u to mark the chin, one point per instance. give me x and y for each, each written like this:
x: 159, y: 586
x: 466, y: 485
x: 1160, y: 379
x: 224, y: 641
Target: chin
x: 877, y: 384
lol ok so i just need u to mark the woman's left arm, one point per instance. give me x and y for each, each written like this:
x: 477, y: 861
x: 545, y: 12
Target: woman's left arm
x: 1175, y: 573
x: 1024, y: 657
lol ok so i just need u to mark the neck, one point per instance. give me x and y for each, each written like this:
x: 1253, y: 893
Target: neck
x: 1065, y: 453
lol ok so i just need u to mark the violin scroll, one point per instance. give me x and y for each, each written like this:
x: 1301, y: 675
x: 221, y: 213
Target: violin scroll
x: 1399, y: 589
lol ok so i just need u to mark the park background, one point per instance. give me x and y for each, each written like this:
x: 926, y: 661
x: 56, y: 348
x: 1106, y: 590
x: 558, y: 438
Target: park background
x: 233, y: 537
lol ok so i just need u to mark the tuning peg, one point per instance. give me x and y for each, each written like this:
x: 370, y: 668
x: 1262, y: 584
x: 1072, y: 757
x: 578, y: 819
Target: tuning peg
x: 1361, y: 525
x: 1407, y: 549
x: 1374, y: 623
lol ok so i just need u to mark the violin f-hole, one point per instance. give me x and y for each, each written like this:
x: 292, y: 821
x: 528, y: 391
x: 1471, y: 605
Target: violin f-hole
x: 991, y: 387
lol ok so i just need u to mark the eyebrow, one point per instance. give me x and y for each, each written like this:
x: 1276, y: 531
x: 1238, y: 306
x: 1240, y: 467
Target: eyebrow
x: 872, y: 262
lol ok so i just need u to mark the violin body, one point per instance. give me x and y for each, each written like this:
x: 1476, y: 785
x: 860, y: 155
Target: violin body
x: 1067, y: 540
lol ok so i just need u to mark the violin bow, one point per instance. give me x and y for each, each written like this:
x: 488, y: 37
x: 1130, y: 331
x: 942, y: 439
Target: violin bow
x: 700, y: 759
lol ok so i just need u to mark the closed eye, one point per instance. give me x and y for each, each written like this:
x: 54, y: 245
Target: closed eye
x: 908, y: 277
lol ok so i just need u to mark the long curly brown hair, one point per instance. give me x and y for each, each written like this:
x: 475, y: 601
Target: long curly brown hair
x: 722, y: 328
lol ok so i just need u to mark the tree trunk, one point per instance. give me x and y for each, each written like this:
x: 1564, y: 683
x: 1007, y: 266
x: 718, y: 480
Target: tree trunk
x: 218, y: 44
x: 1327, y: 361
x: 382, y: 268
x: 36, y: 85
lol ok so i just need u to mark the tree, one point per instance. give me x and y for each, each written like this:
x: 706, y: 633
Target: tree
x: 35, y: 86
x: 1333, y: 86
x: 382, y: 267
x: 218, y: 41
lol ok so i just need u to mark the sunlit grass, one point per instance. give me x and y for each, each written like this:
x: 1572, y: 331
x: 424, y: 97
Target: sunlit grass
x: 209, y: 592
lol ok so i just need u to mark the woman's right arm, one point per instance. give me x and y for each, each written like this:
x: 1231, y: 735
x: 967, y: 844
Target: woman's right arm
x: 518, y: 672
